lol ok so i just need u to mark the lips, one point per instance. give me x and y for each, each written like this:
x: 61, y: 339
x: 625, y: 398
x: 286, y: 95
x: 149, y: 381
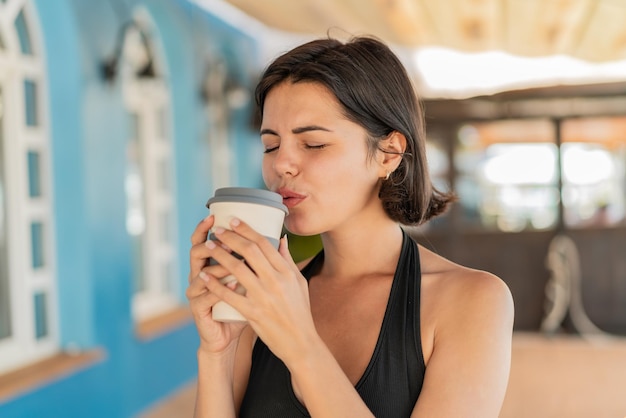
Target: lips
x: 290, y: 198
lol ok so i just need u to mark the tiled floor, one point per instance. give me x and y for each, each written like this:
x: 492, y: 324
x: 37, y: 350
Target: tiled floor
x: 563, y: 376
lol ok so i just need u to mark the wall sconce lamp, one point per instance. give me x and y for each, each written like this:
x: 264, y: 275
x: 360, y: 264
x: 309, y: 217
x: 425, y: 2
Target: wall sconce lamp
x: 133, y: 44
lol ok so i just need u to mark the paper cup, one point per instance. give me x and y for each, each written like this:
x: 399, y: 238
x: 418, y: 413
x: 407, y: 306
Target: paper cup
x: 263, y: 210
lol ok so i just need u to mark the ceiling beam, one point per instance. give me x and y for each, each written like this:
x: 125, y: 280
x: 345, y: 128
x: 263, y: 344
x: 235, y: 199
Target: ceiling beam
x: 445, y: 111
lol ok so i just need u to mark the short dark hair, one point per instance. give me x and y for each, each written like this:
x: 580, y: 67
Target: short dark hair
x: 375, y: 91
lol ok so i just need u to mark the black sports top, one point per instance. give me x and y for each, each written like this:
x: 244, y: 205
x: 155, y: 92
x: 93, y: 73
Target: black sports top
x: 393, y: 378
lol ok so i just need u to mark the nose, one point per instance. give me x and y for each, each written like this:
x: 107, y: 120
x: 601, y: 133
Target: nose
x: 286, y: 161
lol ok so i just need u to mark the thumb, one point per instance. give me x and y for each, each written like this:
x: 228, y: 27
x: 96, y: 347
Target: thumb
x: 283, y: 249
x: 283, y: 246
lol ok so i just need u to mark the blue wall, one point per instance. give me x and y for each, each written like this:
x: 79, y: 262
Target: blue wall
x: 89, y: 129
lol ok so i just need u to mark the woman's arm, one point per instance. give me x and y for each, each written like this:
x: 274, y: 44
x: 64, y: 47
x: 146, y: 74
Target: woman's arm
x: 467, y: 372
x: 278, y: 309
x: 317, y: 377
x: 214, y: 396
x: 223, y: 378
x: 224, y: 347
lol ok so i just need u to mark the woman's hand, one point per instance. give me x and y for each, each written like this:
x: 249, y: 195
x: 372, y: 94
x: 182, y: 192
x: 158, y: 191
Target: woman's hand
x: 277, y: 300
x: 215, y: 337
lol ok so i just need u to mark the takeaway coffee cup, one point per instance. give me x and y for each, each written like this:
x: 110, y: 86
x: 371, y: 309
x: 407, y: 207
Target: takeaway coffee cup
x: 263, y: 210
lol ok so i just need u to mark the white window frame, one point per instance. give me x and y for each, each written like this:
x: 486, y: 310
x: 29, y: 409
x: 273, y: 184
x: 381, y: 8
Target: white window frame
x: 22, y: 347
x: 221, y: 155
x: 149, y: 100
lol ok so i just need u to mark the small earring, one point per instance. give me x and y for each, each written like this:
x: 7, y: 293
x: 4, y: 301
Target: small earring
x: 388, y: 175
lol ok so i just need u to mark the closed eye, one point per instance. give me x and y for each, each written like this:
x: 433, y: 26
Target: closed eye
x: 270, y: 149
x: 315, y: 146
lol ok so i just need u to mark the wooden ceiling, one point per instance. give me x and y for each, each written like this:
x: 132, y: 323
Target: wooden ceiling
x: 593, y: 30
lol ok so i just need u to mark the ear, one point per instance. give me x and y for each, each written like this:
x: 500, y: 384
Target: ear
x: 390, y: 152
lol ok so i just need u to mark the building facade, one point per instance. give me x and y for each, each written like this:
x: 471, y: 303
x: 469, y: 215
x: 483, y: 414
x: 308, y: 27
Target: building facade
x: 118, y: 119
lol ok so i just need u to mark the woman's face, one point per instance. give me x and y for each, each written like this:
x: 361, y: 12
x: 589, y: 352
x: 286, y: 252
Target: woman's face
x: 317, y: 159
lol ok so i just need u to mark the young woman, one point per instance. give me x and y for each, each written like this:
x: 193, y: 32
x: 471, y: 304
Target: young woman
x: 374, y: 325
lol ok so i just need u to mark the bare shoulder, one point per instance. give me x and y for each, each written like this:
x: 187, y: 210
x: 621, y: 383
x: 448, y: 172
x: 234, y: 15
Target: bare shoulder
x: 455, y: 295
x: 476, y: 289
x: 467, y: 323
x: 449, y: 279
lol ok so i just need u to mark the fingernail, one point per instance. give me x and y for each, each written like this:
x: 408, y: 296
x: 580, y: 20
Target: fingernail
x: 218, y: 230
x: 210, y: 244
x: 204, y: 276
x: 286, y: 241
x: 207, y: 218
x: 235, y: 222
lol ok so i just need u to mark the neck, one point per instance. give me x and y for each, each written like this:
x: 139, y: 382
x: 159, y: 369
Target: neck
x: 370, y: 249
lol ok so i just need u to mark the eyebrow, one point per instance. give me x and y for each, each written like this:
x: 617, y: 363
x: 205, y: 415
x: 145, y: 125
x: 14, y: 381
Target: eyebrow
x: 297, y: 130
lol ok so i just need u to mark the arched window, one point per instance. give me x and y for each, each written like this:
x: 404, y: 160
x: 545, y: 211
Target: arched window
x: 150, y: 192
x: 217, y: 108
x: 28, y: 324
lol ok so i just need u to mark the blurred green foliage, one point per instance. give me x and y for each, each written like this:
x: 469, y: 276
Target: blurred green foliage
x: 302, y: 247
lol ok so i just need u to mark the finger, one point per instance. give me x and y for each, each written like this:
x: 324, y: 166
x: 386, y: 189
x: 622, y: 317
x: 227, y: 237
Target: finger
x: 197, y: 286
x: 202, y: 303
x: 283, y: 250
x: 255, y: 259
x: 199, y: 256
x: 228, y: 295
x: 201, y: 232
x: 233, y: 265
x: 267, y: 248
x: 216, y: 270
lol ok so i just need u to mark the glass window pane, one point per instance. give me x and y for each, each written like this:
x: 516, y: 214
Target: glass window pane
x: 30, y: 102
x: 5, y: 301
x: 139, y: 282
x: 41, y: 315
x: 594, y: 172
x: 164, y: 175
x: 37, y: 240
x: 134, y: 184
x: 168, y: 282
x: 135, y: 202
x: 163, y: 124
x: 166, y: 227
x: 22, y: 33
x: 507, y: 177
x: 34, y: 174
